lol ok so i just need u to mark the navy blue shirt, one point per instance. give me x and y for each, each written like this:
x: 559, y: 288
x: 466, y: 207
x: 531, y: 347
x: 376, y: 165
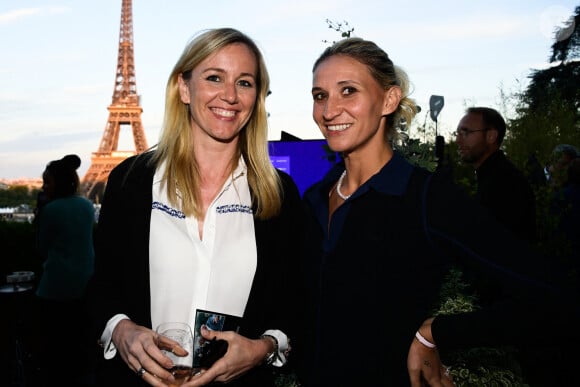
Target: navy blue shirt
x: 374, y: 272
x: 390, y: 181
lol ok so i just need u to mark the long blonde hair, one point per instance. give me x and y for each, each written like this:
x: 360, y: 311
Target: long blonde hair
x: 175, y: 146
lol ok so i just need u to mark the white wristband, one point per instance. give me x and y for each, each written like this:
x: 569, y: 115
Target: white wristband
x: 424, y: 341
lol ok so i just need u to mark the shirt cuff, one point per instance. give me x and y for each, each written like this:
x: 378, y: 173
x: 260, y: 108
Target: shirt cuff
x: 106, y: 338
x: 283, y: 346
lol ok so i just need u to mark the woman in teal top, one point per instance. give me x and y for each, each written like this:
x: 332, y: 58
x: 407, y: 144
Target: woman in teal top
x: 65, y: 222
x: 65, y: 239
x: 65, y: 233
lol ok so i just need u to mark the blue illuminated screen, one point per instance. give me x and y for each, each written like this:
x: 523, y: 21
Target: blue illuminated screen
x: 307, y: 161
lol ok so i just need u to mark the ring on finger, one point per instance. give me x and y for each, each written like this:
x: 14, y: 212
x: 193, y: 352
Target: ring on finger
x: 140, y: 372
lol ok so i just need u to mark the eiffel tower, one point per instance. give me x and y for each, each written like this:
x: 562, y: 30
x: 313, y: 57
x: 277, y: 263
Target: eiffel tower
x: 125, y: 109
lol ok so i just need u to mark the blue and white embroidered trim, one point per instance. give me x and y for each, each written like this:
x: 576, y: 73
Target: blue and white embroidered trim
x: 234, y: 208
x: 171, y: 211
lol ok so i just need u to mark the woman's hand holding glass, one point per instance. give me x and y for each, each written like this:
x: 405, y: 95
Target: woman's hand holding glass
x: 175, y: 340
x: 138, y: 347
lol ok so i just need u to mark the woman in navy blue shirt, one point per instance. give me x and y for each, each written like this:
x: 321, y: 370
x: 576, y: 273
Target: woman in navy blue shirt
x: 382, y: 233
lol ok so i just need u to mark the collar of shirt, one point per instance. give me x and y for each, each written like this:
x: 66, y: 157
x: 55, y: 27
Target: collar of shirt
x: 392, y: 179
x: 188, y: 273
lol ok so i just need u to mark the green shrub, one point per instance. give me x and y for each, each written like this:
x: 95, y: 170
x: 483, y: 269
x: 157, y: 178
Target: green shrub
x: 476, y: 366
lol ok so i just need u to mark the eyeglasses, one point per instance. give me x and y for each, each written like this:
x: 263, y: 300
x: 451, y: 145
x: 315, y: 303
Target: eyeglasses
x: 464, y: 132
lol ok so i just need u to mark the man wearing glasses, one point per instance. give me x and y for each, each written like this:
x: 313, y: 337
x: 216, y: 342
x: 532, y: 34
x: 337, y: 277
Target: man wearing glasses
x: 501, y: 187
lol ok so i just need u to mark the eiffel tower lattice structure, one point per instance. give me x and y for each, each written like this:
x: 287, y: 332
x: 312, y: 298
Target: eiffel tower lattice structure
x: 125, y: 110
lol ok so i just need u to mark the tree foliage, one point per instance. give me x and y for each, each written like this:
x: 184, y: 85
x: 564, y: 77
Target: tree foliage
x: 547, y: 112
x: 567, y: 44
x: 17, y: 195
x: 343, y: 28
x: 478, y: 366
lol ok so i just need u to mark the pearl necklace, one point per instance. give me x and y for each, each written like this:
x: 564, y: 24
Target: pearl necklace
x: 340, y: 179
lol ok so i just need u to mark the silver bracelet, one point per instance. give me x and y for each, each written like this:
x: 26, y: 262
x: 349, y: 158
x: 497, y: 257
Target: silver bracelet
x: 271, y: 356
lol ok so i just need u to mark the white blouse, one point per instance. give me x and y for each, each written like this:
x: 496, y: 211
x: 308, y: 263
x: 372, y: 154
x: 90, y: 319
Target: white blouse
x: 188, y: 273
x: 214, y: 273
